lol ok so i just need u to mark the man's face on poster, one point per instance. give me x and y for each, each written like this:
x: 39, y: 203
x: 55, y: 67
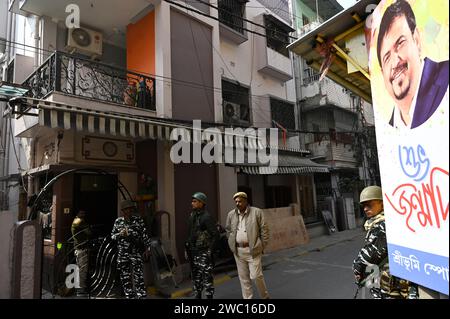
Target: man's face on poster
x: 400, y: 59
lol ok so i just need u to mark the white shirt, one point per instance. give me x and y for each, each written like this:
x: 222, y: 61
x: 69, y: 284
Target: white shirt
x: 398, y: 121
x: 241, y: 235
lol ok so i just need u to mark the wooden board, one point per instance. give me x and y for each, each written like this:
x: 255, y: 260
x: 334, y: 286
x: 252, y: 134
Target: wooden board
x: 281, y: 211
x: 286, y: 230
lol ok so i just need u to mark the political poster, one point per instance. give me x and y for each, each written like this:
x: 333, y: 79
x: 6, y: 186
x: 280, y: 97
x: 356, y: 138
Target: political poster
x: 409, y: 71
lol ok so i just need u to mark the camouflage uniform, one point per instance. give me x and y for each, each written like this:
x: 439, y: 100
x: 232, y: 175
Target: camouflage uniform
x: 129, y: 259
x: 375, y: 252
x: 200, y: 244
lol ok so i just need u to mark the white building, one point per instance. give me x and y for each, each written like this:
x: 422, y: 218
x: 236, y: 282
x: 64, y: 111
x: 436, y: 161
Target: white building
x: 195, y: 61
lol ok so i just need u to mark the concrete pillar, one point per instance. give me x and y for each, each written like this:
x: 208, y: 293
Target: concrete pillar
x: 27, y: 272
x: 166, y: 191
x: 163, y: 60
x: 7, y: 220
x: 227, y: 187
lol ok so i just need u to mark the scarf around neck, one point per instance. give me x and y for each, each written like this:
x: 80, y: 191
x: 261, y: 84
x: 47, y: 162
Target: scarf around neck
x: 368, y: 225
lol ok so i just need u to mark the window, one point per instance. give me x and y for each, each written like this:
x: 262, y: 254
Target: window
x: 4, y: 205
x: 231, y: 13
x: 310, y: 75
x: 236, y: 109
x: 305, y: 20
x: 283, y: 113
x: 10, y: 72
x: 277, y: 35
x: 278, y: 196
x: 344, y: 138
x: 317, y: 136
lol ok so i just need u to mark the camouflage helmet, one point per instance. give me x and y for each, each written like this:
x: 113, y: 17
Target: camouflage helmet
x: 200, y: 197
x: 370, y: 193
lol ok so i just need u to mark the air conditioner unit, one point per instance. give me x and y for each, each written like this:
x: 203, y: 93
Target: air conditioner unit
x: 234, y: 113
x: 85, y: 41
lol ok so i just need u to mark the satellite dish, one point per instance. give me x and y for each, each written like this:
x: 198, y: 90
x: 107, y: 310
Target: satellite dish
x: 81, y: 37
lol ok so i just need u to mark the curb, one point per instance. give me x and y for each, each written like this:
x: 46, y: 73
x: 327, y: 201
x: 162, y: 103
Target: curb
x: 186, y: 291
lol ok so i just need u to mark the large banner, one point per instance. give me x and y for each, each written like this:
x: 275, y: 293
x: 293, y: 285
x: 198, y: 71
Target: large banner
x: 408, y: 61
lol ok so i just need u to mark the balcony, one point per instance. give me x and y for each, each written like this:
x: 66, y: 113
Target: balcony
x: 311, y: 79
x: 323, y: 92
x: 282, y: 9
x: 115, y: 14
x: 273, y: 59
x: 79, y: 77
x: 309, y: 27
x: 334, y: 147
x: 231, y: 17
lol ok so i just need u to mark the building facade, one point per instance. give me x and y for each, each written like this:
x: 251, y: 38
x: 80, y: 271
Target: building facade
x: 104, y: 97
x: 338, y: 126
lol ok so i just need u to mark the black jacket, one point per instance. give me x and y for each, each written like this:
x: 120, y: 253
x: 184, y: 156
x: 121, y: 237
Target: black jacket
x: 202, y: 231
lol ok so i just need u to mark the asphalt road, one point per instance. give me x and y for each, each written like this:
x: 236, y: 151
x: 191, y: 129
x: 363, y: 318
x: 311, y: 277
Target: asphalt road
x: 325, y: 274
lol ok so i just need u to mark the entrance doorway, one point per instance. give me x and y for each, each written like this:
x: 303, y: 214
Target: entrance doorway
x: 97, y: 195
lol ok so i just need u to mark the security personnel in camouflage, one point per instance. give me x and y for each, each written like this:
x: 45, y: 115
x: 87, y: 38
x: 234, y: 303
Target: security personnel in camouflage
x: 375, y: 252
x: 202, y: 238
x: 132, y: 242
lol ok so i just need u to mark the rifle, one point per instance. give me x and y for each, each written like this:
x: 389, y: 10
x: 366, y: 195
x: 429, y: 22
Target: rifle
x: 363, y: 282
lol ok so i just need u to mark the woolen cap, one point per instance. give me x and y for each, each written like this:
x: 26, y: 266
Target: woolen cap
x: 240, y: 194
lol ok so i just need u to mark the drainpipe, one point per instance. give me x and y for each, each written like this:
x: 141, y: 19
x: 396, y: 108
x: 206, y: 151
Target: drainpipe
x: 8, y: 37
x: 296, y: 63
x: 37, y: 20
x: 5, y: 132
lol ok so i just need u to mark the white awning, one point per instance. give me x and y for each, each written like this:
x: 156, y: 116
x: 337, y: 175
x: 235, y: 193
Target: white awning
x: 287, y: 164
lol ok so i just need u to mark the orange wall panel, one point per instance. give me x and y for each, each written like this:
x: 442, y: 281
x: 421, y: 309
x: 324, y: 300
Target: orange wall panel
x: 141, y: 45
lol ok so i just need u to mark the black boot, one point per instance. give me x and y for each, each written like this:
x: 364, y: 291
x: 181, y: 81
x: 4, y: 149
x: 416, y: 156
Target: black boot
x: 209, y: 296
x: 198, y: 295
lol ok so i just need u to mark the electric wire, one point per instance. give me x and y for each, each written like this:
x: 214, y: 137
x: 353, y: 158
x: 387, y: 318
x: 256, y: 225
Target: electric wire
x: 217, y: 19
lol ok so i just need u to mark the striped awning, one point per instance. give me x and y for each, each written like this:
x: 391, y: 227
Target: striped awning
x: 70, y: 117
x: 287, y: 164
x: 55, y: 115
x: 262, y: 170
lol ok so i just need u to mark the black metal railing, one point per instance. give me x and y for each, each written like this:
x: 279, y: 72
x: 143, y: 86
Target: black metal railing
x: 77, y: 76
x: 231, y: 13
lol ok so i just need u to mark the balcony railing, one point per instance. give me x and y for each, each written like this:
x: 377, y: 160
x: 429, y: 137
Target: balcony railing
x: 231, y: 13
x: 76, y: 76
x: 309, y: 27
x: 311, y: 79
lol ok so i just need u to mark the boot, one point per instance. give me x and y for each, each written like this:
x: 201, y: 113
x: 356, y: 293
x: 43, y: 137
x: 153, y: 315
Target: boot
x: 209, y: 296
x: 198, y: 295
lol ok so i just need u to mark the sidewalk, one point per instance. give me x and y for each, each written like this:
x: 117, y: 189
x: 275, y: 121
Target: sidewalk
x: 184, y: 289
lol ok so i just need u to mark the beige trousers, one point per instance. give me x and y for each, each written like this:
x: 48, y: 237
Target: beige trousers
x: 82, y: 258
x: 249, y: 269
